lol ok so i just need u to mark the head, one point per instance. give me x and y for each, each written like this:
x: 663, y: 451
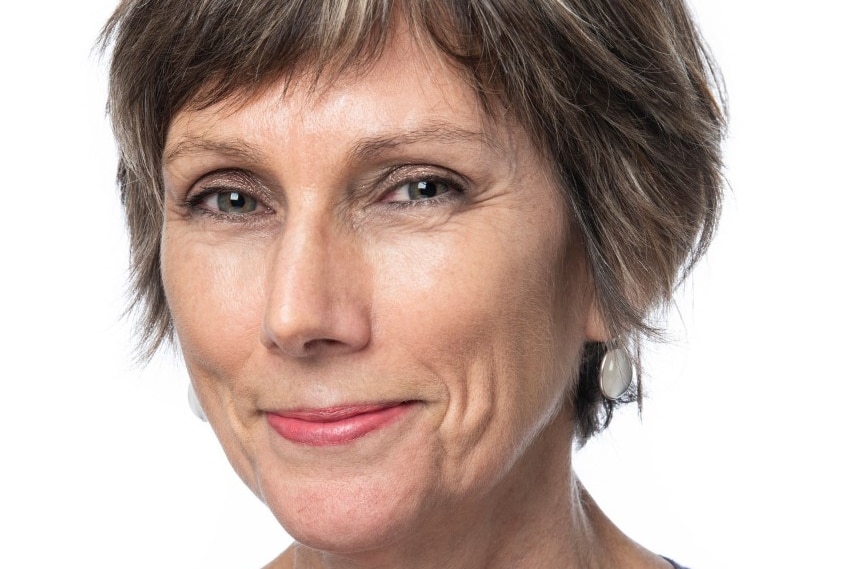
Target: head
x: 566, y: 157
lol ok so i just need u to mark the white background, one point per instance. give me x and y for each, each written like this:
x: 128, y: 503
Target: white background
x: 741, y: 458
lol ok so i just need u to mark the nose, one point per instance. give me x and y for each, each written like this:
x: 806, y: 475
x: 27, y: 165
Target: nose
x: 318, y: 294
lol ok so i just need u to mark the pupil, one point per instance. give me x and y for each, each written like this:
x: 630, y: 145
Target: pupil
x: 427, y: 189
x: 234, y: 202
x: 237, y: 200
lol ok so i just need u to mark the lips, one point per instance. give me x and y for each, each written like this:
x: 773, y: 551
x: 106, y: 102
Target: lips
x: 334, y: 425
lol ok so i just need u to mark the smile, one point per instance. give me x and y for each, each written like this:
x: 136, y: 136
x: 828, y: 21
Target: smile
x: 335, y: 425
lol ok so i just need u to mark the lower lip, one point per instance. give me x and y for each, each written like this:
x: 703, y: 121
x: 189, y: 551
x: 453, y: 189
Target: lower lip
x: 328, y: 427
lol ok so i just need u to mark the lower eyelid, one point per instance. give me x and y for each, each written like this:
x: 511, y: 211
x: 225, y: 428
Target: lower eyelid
x: 438, y: 201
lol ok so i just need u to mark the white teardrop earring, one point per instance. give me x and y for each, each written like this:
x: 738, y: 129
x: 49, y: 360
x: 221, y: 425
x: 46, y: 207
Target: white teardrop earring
x: 616, y: 373
x: 195, y: 405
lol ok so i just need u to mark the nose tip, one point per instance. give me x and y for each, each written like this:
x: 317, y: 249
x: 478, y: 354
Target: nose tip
x: 302, y: 332
x: 317, y: 298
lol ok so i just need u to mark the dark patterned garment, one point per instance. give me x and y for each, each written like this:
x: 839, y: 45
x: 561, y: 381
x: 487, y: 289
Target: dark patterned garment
x: 674, y: 564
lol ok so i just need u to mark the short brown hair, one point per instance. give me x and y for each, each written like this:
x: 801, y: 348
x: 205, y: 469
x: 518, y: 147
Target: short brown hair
x: 620, y: 95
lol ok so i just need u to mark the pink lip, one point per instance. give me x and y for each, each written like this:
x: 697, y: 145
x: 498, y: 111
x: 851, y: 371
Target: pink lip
x: 334, y: 425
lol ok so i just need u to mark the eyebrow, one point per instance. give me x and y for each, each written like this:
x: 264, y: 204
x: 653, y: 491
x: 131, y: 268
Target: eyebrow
x: 364, y: 150
x: 369, y: 148
x: 233, y: 148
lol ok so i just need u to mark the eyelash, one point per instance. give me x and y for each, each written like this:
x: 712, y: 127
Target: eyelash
x: 194, y: 204
x: 455, y: 189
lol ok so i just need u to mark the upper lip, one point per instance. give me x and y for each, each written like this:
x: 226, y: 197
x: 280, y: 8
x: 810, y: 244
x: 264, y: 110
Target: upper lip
x: 335, y: 413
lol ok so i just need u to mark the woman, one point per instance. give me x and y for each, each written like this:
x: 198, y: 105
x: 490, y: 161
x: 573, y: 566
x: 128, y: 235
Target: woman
x: 404, y: 246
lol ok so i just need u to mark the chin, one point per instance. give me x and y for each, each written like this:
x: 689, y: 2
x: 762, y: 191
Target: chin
x: 362, y: 514
x: 350, y: 500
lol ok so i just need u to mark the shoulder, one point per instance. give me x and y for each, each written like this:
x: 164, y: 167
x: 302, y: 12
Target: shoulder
x: 283, y: 561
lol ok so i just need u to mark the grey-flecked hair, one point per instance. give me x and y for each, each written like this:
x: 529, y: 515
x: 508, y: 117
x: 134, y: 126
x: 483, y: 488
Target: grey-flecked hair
x: 621, y: 96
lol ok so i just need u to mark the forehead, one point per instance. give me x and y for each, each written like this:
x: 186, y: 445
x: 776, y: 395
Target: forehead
x: 408, y: 92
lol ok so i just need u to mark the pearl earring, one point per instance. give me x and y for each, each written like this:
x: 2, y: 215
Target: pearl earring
x: 616, y: 373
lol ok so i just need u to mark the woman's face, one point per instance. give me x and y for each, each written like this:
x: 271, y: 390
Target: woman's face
x: 372, y: 291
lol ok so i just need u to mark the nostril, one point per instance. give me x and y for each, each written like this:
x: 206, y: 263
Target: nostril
x: 312, y: 346
x: 324, y: 334
x: 318, y: 347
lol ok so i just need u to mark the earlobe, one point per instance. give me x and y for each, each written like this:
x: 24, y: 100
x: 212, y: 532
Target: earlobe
x: 595, y: 329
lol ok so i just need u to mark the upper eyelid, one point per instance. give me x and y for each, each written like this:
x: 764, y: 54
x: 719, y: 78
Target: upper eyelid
x: 237, y: 176
x: 396, y: 176
x: 229, y: 180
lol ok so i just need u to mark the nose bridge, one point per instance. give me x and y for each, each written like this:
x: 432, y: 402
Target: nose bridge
x: 317, y: 300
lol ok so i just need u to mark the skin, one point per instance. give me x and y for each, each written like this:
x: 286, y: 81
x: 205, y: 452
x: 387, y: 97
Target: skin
x: 341, y: 286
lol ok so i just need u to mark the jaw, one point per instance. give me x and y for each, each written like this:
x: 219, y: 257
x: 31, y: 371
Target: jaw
x: 515, y: 519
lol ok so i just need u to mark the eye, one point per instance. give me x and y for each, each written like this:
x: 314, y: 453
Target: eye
x: 230, y: 202
x: 419, y: 190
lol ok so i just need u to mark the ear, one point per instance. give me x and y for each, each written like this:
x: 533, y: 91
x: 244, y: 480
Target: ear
x: 595, y: 329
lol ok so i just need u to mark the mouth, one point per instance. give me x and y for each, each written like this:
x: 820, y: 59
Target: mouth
x: 335, y: 425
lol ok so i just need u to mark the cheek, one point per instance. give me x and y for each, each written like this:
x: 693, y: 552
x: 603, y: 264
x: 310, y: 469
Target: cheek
x: 460, y: 291
x: 215, y: 296
x: 475, y: 310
